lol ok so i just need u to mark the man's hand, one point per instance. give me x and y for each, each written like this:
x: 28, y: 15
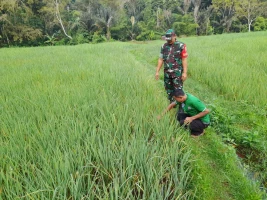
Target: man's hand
x: 170, y: 106
x: 184, y: 76
x: 157, y: 76
x: 188, y: 120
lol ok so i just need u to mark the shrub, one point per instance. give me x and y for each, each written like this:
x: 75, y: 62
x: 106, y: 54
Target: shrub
x: 182, y: 28
x: 97, y: 38
x: 260, y: 24
x: 119, y: 33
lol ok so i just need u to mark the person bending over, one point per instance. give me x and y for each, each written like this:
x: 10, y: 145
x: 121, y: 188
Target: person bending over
x: 195, y: 116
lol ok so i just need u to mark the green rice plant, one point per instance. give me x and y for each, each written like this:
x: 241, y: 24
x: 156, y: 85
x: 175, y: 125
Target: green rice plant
x: 79, y: 122
x: 228, y: 72
x: 233, y: 65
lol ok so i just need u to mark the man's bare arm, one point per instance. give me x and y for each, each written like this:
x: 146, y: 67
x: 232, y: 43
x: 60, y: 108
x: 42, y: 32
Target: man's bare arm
x: 184, y: 74
x: 160, y: 62
x: 170, y: 106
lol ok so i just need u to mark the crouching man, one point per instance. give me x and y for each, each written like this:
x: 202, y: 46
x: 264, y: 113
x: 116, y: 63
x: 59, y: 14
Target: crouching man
x: 195, y: 115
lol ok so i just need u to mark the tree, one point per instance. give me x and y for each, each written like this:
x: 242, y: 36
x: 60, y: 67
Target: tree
x: 204, y: 27
x: 250, y: 10
x: 260, y: 24
x: 109, y: 11
x: 15, y: 23
x: 59, y: 18
x: 134, y: 8
x: 225, y: 11
x: 186, y: 26
x: 196, y: 4
x: 186, y: 6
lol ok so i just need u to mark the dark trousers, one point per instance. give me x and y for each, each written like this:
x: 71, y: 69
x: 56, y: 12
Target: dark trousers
x: 196, y: 127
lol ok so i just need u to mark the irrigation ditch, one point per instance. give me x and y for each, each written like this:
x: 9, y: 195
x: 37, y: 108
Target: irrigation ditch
x: 249, y: 145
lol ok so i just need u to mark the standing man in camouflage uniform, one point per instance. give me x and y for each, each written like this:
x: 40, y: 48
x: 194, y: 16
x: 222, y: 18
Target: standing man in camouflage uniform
x: 174, y: 56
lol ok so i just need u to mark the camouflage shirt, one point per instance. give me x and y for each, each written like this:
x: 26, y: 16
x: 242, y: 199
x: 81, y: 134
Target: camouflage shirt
x: 172, y: 55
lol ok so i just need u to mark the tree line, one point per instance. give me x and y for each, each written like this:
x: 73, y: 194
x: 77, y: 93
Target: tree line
x: 60, y: 22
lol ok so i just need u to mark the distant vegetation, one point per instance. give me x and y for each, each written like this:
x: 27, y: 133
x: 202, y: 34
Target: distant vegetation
x: 70, y: 22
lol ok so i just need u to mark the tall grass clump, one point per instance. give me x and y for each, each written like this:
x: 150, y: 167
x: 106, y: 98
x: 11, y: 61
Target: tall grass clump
x: 233, y: 65
x: 80, y: 123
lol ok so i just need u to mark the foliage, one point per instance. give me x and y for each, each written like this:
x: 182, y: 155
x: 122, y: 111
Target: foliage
x: 204, y: 23
x: 260, y: 24
x: 239, y: 26
x: 252, y: 138
x: 97, y: 38
x: 27, y: 23
x: 81, y: 38
x: 119, y: 32
x: 186, y: 26
x: 250, y: 10
x: 146, y: 33
x: 51, y: 40
x: 217, y: 163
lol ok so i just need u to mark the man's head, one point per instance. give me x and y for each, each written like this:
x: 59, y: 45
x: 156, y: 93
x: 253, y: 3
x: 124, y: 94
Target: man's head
x: 170, y: 36
x: 179, y: 95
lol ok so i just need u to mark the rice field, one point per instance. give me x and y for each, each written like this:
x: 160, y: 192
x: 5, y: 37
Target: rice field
x: 237, y: 70
x: 232, y: 65
x: 228, y: 72
x: 80, y: 122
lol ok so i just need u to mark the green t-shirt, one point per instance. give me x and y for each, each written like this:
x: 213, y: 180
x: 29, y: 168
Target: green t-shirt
x: 192, y: 106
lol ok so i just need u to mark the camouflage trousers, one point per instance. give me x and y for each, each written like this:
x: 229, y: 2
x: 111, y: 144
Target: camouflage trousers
x: 172, y: 81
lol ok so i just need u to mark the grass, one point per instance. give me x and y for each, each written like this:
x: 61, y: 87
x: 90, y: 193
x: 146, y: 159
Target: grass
x: 240, y: 121
x: 79, y: 122
x: 77, y: 127
x: 232, y: 65
x: 237, y: 69
x: 217, y: 170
